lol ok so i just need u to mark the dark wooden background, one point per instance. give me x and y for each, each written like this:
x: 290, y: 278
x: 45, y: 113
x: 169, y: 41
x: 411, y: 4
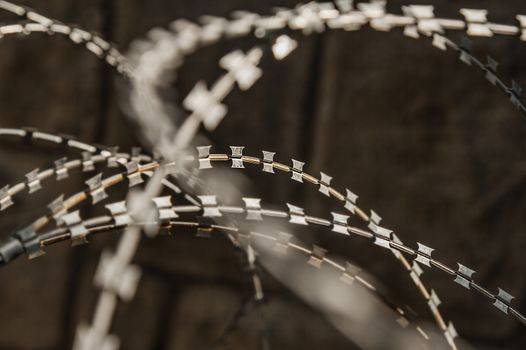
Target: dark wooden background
x: 421, y: 137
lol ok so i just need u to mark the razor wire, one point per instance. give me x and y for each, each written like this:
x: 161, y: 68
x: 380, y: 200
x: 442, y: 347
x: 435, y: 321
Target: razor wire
x: 164, y: 50
x: 58, y: 209
x: 426, y: 24
x: 297, y: 216
x: 118, y: 219
x: 31, y: 241
x: 39, y: 23
x: 28, y: 242
x: 210, y: 100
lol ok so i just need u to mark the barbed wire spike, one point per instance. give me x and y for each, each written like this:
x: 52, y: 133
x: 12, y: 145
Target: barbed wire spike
x: 209, y: 205
x: 212, y: 28
x: 58, y: 209
x: 203, y: 156
x: 243, y: 67
x: 30, y: 242
x: 423, y: 254
x: 60, y: 168
x: 188, y: 34
x: 33, y: 182
x: 419, y: 11
x: 397, y: 240
x: 350, y: 201
x: 297, y: 170
x: 297, y: 215
x: 205, y: 105
x: 76, y: 227
x: 316, y: 256
x: 164, y: 208
x: 515, y: 93
x: 111, y: 155
x: 451, y: 334
x: 113, y: 275
x: 339, y: 223
x: 349, y: 22
x: 253, y: 208
x: 503, y: 300
x: 119, y: 212
x: 434, y: 302
x: 411, y: 31
x: 439, y: 42
x: 426, y: 22
x: 465, y: 50
x: 491, y: 70
x: 463, y: 276
x: 372, y: 9
x: 237, y: 157
x: 135, y: 154
x: 325, y: 184
x: 307, y: 19
x: 242, y: 23
x: 416, y: 272
x: 283, y: 46
x: 476, y: 21
x: 79, y: 36
x: 344, y: 5
x: 5, y: 198
x: 87, y: 161
x: 96, y: 187
x: 270, y: 23
x: 522, y: 24
x: 133, y: 174
x: 268, y: 159
x: 382, y: 236
x: 375, y: 218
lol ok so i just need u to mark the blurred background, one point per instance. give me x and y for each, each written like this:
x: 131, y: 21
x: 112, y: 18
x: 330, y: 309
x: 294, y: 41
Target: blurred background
x: 422, y: 138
